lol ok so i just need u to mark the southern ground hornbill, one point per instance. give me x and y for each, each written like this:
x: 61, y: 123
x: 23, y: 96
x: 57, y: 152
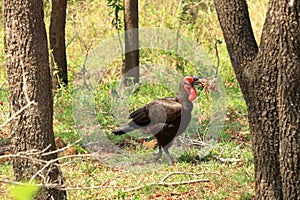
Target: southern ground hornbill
x: 166, y: 118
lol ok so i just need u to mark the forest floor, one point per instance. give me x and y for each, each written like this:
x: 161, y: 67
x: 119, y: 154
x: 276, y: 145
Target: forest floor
x: 222, y: 169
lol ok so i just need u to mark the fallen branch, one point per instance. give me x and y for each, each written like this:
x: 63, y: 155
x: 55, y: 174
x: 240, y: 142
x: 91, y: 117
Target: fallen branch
x: 226, y: 160
x: 130, y: 189
x: 163, y: 182
x: 92, y: 187
x: 34, y: 154
x: 62, y: 149
x: 55, y: 162
x: 61, y: 187
x: 187, y: 173
x: 166, y: 184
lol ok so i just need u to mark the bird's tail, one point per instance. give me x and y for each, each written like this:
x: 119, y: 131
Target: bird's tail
x: 124, y: 130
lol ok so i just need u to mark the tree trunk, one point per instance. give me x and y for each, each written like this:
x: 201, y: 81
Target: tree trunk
x: 57, y: 41
x: 131, y: 69
x: 269, y: 77
x: 30, y: 87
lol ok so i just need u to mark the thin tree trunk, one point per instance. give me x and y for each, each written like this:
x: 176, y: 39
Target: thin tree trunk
x: 57, y: 41
x: 30, y: 85
x: 131, y: 69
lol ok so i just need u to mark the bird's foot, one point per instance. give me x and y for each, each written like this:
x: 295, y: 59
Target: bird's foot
x: 171, y: 161
x: 157, y: 156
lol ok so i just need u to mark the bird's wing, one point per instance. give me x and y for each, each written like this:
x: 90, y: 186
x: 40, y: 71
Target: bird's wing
x: 159, y: 111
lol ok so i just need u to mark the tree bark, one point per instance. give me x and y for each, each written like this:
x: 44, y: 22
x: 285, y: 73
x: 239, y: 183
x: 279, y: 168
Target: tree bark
x: 269, y: 77
x: 30, y: 85
x: 131, y: 69
x: 57, y: 41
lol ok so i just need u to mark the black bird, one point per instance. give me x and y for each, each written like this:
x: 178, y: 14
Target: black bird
x: 166, y: 118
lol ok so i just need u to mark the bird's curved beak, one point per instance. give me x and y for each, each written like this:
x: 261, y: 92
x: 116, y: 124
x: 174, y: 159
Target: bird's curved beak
x: 205, y: 83
x: 199, y: 81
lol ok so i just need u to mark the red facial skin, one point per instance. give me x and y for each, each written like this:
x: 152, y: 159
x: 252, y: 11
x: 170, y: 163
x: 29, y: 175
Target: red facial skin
x: 189, y: 89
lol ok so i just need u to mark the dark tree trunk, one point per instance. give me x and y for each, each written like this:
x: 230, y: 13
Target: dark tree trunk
x: 30, y: 84
x: 57, y: 41
x: 131, y: 69
x: 269, y: 76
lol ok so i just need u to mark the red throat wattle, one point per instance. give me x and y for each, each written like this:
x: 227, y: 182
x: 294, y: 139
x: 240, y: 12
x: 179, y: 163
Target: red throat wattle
x: 191, y: 92
x: 189, y: 89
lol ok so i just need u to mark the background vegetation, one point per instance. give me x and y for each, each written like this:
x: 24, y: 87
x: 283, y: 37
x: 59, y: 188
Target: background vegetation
x: 231, y: 160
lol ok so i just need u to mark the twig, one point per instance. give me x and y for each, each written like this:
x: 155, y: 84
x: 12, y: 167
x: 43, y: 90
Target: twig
x: 72, y: 39
x: 16, y: 114
x: 177, y: 41
x: 62, y: 149
x: 226, y: 160
x: 55, y: 162
x: 217, y: 55
x: 23, y: 155
x: 163, y: 183
x: 2, y: 84
x: 182, y: 182
x: 222, y: 151
x: 187, y: 173
x: 28, y: 155
x: 44, y: 150
x: 39, y: 172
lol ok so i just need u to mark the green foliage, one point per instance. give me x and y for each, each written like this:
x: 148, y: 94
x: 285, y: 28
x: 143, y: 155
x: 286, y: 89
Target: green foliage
x: 23, y: 192
x: 117, y: 6
x: 63, y: 115
x: 189, y: 156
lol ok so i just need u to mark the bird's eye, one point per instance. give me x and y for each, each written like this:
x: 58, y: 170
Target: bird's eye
x: 189, y: 80
x: 196, y: 78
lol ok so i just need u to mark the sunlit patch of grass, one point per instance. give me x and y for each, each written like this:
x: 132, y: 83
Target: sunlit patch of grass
x: 64, y: 126
x: 148, y: 92
x: 230, y: 180
x: 6, y: 173
x: 4, y: 102
x: 227, y: 180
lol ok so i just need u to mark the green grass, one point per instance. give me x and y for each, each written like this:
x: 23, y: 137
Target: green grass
x: 88, y: 25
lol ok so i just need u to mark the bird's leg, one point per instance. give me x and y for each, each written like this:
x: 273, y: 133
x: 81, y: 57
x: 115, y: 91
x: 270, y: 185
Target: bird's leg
x: 158, y: 154
x: 170, y: 159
